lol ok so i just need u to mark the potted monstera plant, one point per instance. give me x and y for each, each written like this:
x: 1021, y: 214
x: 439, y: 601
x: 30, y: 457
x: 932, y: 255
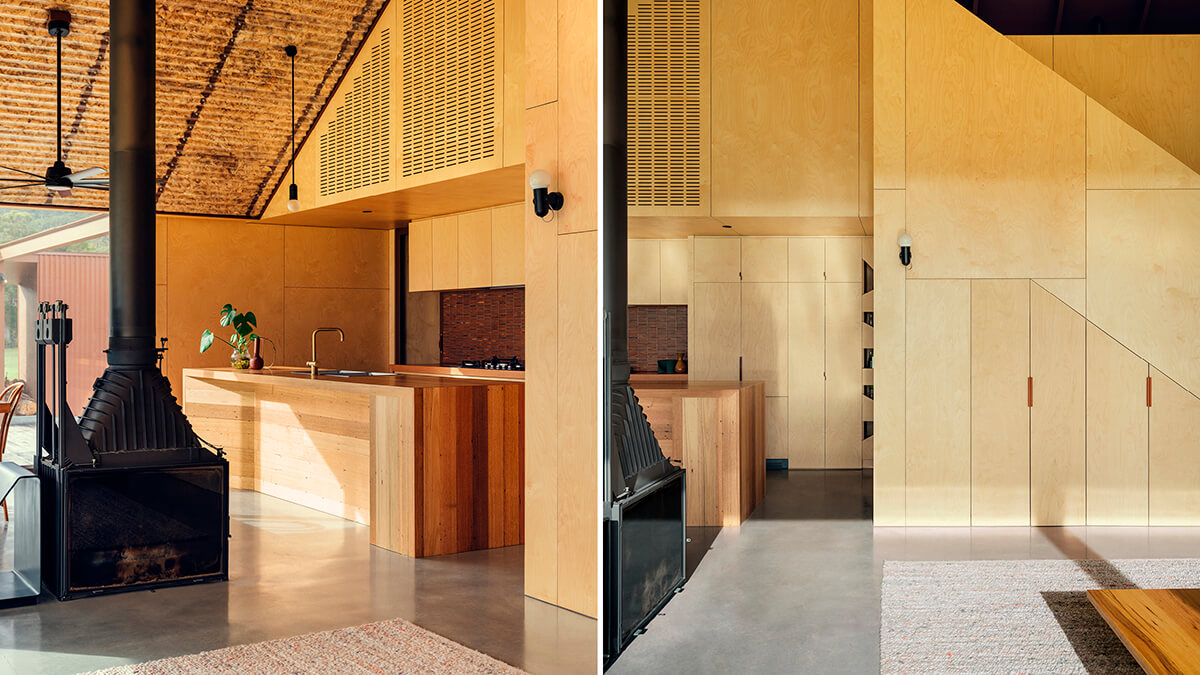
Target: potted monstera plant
x: 244, y: 326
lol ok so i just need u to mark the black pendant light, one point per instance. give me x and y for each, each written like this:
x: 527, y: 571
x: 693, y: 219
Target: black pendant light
x: 293, y: 203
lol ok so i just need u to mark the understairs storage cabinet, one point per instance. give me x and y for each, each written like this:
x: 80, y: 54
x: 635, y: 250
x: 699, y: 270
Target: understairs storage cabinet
x: 787, y: 311
x: 1025, y: 413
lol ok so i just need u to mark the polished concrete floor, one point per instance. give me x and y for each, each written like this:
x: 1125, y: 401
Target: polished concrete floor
x: 795, y: 589
x: 294, y: 571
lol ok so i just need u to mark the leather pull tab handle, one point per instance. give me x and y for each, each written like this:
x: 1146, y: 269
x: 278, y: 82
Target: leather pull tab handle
x: 1030, y: 396
x: 1149, y: 391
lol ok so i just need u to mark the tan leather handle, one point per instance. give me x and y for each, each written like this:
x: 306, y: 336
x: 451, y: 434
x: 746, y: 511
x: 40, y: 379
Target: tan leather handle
x: 1149, y: 392
x: 1029, y: 400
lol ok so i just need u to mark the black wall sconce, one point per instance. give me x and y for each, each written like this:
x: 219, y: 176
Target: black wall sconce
x: 543, y: 199
x: 905, y: 244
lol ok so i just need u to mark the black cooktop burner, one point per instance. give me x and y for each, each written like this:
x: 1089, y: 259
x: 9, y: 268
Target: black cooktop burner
x: 496, y: 363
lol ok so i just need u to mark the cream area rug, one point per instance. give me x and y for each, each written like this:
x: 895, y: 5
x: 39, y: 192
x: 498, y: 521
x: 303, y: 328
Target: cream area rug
x: 1020, y: 616
x: 395, y: 646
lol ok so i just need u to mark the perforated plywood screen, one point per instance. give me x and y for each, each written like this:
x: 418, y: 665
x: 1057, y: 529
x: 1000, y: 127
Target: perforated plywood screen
x: 449, y: 83
x: 665, y: 103
x: 356, y: 147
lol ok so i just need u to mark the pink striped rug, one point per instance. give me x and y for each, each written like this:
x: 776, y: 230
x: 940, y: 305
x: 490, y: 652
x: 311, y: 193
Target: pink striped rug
x: 394, y: 646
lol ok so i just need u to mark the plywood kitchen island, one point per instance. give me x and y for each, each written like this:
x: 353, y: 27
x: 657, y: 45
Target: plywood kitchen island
x: 433, y: 465
x: 715, y: 430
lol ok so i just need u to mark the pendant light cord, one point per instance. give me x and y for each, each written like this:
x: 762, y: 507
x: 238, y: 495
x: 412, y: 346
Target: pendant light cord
x: 59, y: 97
x: 293, y: 119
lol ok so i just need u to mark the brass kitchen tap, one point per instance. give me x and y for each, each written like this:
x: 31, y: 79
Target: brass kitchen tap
x: 312, y: 365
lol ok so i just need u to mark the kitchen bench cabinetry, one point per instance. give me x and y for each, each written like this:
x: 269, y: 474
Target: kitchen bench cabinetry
x: 475, y: 249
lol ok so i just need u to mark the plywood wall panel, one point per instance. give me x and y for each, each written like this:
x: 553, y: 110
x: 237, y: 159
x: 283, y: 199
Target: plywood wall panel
x: 995, y: 154
x: 1143, y: 287
x: 1120, y: 157
x: 764, y: 330
x: 513, y: 120
x: 938, y: 397
x: 541, y: 353
x: 1117, y: 433
x: 888, y: 447
x: 714, y: 328
x: 577, y: 433
x: 1058, y: 434
x: 888, y: 88
x: 578, y: 110
x: 764, y: 259
x: 843, y: 376
x: 362, y: 314
x: 1040, y: 47
x: 866, y: 181
x: 806, y: 376
x: 338, y: 257
x: 768, y: 135
x: 205, y: 272
x: 1071, y: 291
x: 541, y: 53
x: 1150, y: 81
x: 999, y: 405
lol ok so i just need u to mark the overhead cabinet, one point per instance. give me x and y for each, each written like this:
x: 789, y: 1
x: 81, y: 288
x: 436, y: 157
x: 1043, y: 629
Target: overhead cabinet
x: 435, y: 97
x: 477, y: 249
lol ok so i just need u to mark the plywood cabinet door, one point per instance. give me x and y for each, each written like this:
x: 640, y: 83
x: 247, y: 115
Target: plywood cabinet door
x: 644, y: 272
x: 844, y: 259
x: 508, y: 245
x: 475, y: 249
x: 764, y: 259
x: 937, y: 335
x: 714, y: 331
x: 675, y: 275
x: 1174, y: 447
x: 1058, y: 418
x: 765, y: 335
x: 1117, y: 433
x: 717, y: 259
x: 445, y: 253
x: 806, y: 376
x: 844, y: 360
x: 420, y: 255
x: 999, y: 402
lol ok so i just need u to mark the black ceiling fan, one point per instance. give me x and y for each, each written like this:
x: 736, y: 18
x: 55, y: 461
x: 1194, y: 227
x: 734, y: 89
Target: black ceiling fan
x: 59, y: 178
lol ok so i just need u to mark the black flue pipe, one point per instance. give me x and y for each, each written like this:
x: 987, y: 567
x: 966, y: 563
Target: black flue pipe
x: 614, y: 95
x: 131, y: 183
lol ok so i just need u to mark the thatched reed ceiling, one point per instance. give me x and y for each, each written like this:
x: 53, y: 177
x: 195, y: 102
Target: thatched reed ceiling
x: 223, y: 126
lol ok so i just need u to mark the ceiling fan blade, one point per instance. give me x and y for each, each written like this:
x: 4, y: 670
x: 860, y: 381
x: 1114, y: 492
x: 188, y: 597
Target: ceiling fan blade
x: 24, y: 172
x: 85, y: 173
x: 14, y: 180
x: 24, y: 185
x: 93, y: 187
x: 60, y: 193
x: 91, y: 181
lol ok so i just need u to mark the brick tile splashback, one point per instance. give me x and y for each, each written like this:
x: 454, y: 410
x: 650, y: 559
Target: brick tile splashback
x: 656, y: 332
x: 482, y: 323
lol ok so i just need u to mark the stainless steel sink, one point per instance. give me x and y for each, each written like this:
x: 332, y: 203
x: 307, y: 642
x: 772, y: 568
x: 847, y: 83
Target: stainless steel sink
x: 343, y: 373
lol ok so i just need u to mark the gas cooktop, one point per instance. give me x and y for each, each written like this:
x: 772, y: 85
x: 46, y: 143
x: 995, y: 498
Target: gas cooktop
x: 496, y: 363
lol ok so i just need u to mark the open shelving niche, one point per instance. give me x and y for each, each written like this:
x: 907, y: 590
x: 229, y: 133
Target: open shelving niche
x: 868, y: 378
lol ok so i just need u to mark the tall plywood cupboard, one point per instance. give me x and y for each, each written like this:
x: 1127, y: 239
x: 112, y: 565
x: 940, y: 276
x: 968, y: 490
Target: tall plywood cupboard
x: 787, y: 311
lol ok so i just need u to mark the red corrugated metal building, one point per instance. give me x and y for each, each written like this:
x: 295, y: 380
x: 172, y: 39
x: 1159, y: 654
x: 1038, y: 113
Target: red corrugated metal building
x: 81, y: 281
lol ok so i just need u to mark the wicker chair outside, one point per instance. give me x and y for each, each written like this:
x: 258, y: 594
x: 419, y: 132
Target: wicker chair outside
x: 8, y: 408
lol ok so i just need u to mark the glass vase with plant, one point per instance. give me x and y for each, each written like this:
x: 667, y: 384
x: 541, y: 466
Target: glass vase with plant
x: 243, y: 325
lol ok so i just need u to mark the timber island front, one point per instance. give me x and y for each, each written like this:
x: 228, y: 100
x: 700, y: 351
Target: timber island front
x: 433, y: 465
